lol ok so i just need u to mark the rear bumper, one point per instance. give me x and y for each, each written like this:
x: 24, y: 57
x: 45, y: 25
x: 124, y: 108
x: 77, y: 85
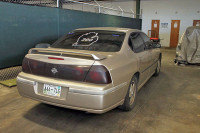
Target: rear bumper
x: 75, y: 95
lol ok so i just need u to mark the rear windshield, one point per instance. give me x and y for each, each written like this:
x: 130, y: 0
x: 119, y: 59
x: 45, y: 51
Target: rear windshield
x: 105, y: 41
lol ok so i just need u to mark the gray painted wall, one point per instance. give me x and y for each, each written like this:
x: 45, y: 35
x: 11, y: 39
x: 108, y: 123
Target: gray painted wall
x: 23, y: 26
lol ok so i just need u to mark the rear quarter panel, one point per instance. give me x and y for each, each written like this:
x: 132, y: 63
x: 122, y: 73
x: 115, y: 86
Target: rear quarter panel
x: 122, y: 66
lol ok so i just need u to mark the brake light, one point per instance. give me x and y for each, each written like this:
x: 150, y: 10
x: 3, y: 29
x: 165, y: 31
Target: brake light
x: 95, y: 76
x: 34, y: 65
x: 79, y: 73
x: 54, y: 58
x: 99, y: 75
x: 25, y: 66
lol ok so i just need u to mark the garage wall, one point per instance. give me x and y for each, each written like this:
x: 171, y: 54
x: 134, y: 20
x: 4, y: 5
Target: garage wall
x: 167, y: 10
x: 22, y: 27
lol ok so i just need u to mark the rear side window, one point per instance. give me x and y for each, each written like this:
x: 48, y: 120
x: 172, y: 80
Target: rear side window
x: 137, y: 42
x: 145, y: 37
x: 105, y: 41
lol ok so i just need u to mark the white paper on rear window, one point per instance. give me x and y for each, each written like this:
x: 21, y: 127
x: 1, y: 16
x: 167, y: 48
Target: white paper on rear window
x: 87, y: 39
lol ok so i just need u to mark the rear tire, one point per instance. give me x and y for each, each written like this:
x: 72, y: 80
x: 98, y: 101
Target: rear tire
x: 157, y: 71
x: 131, y: 95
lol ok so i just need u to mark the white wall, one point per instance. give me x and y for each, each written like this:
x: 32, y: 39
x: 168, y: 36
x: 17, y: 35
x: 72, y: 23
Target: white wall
x: 167, y: 10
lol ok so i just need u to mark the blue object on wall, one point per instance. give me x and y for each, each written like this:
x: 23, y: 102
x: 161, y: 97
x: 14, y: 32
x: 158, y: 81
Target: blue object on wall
x: 24, y: 26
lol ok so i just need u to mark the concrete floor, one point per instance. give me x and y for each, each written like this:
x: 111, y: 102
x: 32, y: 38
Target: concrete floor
x: 169, y: 103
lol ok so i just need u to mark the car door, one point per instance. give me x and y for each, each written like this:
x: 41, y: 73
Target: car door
x: 143, y: 57
x: 150, y: 51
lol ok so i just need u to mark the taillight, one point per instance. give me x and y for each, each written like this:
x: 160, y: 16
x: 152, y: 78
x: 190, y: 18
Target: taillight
x: 98, y: 74
x: 54, y: 58
x: 72, y: 72
x: 79, y: 73
x: 33, y: 65
x: 25, y: 66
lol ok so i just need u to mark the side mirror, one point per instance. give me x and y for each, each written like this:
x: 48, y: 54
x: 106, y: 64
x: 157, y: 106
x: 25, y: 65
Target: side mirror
x: 42, y: 45
x: 155, y: 39
x: 148, y: 45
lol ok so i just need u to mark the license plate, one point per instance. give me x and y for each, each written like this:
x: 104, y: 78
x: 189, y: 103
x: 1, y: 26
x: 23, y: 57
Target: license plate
x: 52, y: 90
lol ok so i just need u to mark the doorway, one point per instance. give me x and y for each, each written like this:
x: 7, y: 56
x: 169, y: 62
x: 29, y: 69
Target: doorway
x: 155, y: 25
x: 174, y: 37
x: 196, y: 22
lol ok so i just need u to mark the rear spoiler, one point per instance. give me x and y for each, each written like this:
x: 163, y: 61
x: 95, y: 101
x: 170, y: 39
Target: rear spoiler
x: 64, y: 53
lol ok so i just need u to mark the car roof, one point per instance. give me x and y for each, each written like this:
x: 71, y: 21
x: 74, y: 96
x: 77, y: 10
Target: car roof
x: 110, y: 29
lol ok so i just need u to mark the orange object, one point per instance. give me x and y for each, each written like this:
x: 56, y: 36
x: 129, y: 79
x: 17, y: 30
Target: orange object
x: 154, y: 38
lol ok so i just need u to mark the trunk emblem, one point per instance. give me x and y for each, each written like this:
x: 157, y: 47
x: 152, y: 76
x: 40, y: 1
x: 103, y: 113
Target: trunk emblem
x: 54, y: 70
